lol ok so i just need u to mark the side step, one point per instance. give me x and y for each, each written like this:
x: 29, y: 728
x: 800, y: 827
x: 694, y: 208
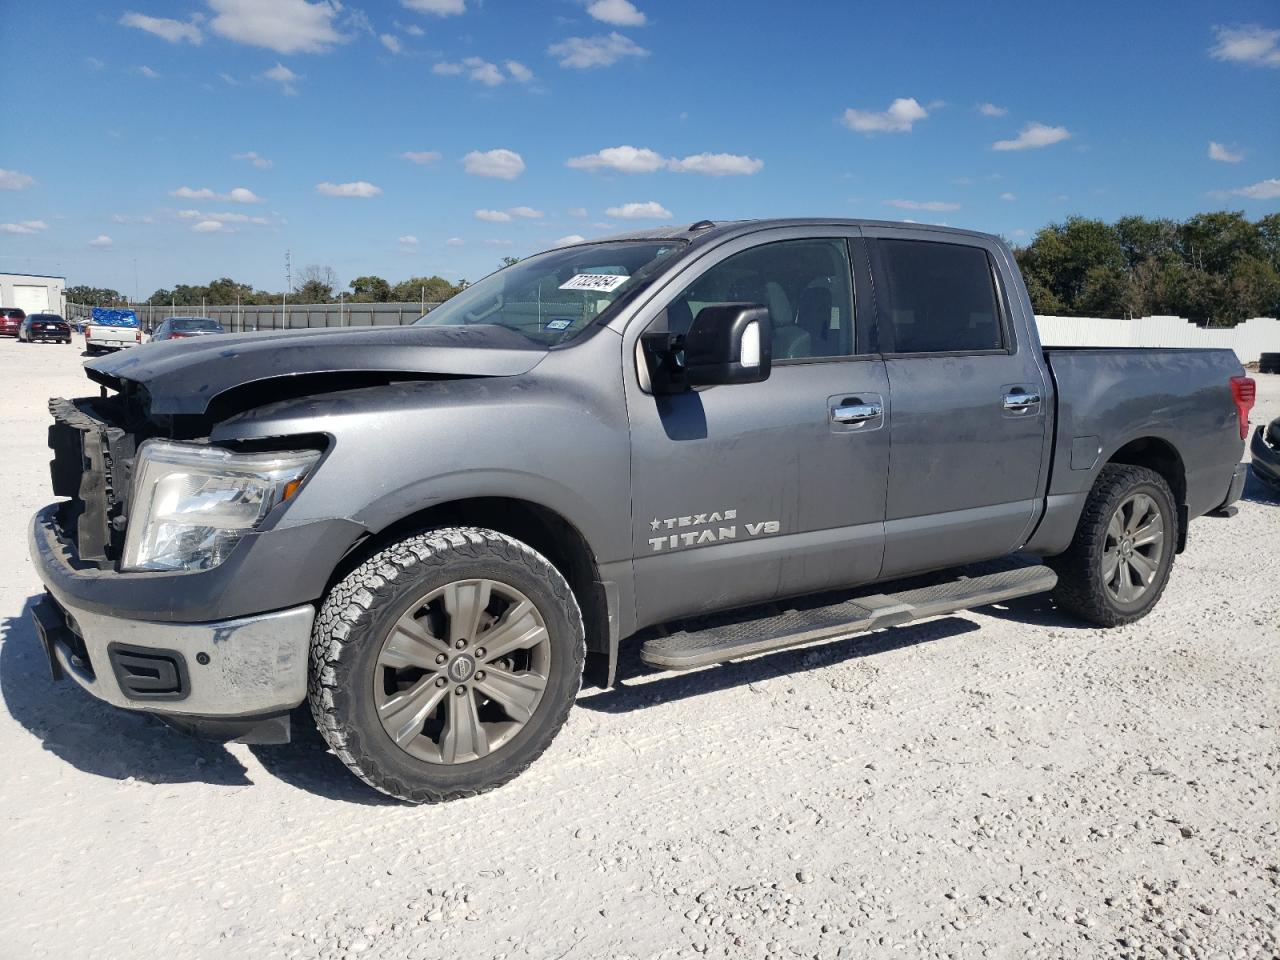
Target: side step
x: 744, y: 637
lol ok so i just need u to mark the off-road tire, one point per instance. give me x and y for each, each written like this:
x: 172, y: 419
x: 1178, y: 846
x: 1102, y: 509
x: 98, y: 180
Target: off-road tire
x: 355, y: 618
x: 1080, y: 589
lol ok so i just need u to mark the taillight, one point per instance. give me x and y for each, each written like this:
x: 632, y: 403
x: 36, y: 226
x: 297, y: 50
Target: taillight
x: 1243, y: 391
x: 137, y: 336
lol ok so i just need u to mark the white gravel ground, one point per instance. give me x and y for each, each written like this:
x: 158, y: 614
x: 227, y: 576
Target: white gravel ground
x: 1002, y: 783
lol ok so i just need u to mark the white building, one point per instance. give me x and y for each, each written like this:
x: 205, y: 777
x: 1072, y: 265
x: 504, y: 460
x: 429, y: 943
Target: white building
x: 33, y: 293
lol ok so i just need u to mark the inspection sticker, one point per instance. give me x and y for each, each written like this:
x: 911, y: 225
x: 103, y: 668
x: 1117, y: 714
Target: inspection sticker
x: 601, y: 282
x: 559, y: 324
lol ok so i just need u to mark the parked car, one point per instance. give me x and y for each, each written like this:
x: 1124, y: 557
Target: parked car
x: 44, y: 326
x: 109, y: 330
x: 11, y: 320
x: 708, y: 441
x: 179, y: 328
x: 1266, y: 454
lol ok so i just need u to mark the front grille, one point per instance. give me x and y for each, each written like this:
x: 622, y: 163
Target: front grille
x: 92, y: 465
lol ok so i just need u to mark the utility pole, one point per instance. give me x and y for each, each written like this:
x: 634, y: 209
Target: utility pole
x: 288, y: 287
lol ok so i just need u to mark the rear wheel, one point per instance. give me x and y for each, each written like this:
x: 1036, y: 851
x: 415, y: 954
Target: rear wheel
x: 445, y: 664
x: 1119, y: 561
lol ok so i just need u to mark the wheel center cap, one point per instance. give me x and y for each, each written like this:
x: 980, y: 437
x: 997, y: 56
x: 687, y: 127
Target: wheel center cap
x: 462, y: 668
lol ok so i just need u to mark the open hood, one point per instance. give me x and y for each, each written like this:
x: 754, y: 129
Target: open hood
x: 185, y: 376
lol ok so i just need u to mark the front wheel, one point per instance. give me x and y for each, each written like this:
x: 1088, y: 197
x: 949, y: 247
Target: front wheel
x: 1119, y: 561
x: 446, y: 663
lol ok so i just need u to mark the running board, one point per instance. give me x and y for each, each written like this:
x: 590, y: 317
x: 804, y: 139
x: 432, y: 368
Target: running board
x: 689, y: 649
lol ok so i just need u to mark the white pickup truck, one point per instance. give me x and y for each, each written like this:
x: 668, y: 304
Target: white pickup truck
x: 112, y: 330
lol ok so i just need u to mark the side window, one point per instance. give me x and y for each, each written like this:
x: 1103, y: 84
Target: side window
x: 936, y: 298
x: 805, y: 284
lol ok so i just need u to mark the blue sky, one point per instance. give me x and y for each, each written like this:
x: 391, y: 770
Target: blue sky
x: 205, y: 138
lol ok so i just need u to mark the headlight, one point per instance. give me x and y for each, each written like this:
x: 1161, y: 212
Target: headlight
x: 191, y: 504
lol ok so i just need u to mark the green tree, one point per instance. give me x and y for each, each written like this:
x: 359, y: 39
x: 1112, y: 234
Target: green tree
x: 431, y: 289
x: 93, y: 296
x: 509, y: 261
x: 370, y: 290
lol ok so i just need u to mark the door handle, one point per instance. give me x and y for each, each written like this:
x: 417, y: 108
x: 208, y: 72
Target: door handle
x: 855, y: 412
x: 1018, y: 402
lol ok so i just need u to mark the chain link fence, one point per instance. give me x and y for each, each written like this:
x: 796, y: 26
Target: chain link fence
x: 291, y: 316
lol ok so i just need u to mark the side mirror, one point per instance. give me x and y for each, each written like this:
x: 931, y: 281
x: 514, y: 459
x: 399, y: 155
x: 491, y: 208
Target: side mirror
x: 726, y: 343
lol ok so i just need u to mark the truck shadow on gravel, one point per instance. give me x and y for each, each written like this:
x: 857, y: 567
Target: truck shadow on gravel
x: 627, y: 695
x: 120, y: 745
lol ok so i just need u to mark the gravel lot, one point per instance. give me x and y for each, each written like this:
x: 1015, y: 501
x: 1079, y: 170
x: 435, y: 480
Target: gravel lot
x: 993, y: 784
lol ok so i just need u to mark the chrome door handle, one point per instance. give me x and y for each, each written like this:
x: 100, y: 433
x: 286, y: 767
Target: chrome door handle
x: 1017, y: 402
x: 855, y: 412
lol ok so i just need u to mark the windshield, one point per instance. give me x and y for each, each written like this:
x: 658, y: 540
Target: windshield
x: 552, y: 297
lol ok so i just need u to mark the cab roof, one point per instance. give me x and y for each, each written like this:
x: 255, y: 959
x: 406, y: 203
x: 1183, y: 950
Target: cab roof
x: 720, y: 229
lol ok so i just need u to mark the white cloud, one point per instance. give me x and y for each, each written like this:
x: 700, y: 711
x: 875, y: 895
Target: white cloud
x: 209, y: 226
x: 1218, y: 152
x: 619, y: 13
x: 650, y: 210
x: 229, y: 79
x: 125, y: 218
x: 991, y: 110
x: 441, y: 8
x: 581, y: 53
x: 900, y: 116
x: 1250, y: 44
x: 931, y: 205
x: 519, y: 72
x: 477, y: 69
x: 1032, y: 136
x: 570, y: 239
x: 497, y: 243
x: 93, y: 63
x: 718, y: 164
x: 629, y: 159
x: 101, y: 241
x: 623, y: 159
x: 193, y: 193
x: 285, y: 26
x: 1009, y: 197
x: 148, y: 72
x: 1262, y: 190
x: 221, y: 217
x: 362, y: 189
x: 259, y: 161
x: 390, y: 41
x: 455, y: 242
x: 501, y: 164
x: 577, y: 211
x: 527, y: 212
x: 408, y: 240
x: 412, y: 29
x: 283, y: 76
x: 236, y: 195
x: 175, y: 31
x: 24, y: 226
x: 14, y: 180
x: 493, y: 216
x: 420, y: 157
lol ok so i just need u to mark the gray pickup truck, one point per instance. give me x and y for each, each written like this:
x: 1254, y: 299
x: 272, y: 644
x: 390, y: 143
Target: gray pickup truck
x: 708, y: 440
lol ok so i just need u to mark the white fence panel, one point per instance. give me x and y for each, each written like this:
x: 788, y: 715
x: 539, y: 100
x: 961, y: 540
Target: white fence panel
x: 1249, y: 339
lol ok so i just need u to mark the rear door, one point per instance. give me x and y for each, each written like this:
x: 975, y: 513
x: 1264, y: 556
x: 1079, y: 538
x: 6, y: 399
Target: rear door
x: 742, y: 493
x: 969, y: 402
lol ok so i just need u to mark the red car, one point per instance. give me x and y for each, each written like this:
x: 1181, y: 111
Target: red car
x: 10, y: 320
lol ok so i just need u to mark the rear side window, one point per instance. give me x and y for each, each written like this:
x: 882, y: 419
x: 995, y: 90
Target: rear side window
x: 936, y: 298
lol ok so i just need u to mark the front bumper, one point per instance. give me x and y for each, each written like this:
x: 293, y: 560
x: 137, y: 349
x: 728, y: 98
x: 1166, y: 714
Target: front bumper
x: 1266, y: 458
x: 229, y: 668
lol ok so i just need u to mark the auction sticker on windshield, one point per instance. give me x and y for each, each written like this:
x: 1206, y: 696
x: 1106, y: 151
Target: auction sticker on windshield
x: 602, y: 282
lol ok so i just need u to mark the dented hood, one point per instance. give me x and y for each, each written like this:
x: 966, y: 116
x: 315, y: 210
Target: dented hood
x: 185, y: 376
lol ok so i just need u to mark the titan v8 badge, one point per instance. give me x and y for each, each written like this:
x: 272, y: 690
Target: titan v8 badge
x: 713, y: 528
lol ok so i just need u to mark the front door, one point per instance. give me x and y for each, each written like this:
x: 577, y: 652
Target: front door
x: 969, y: 405
x: 743, y: 493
